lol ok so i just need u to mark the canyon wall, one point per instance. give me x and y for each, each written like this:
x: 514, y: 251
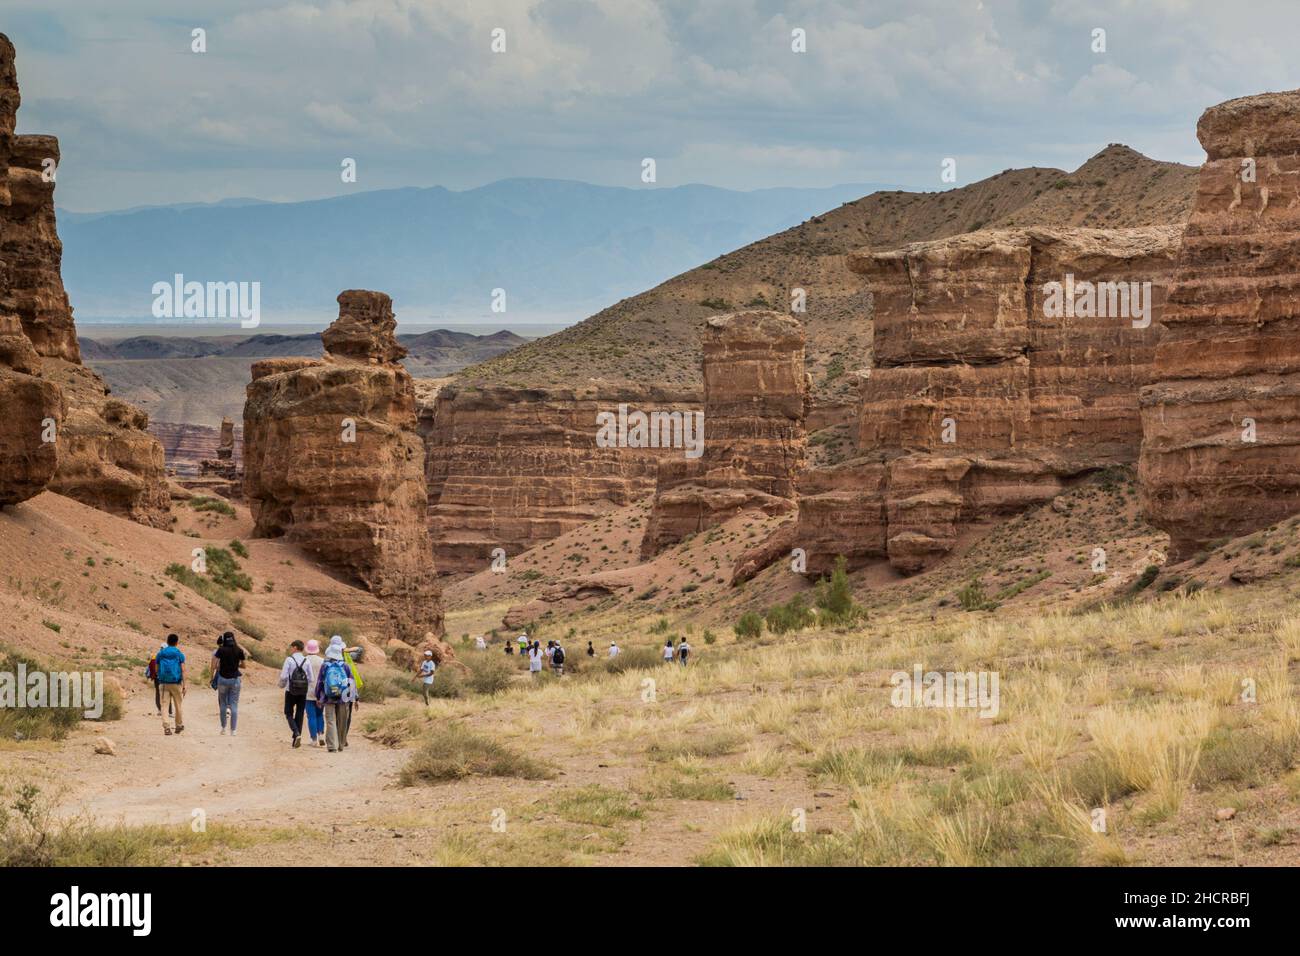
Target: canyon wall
x: 334, y: 462
x: 101, y: 454
x: 752, y: 430
x: 1221, y: 421
x: 511, y: 468
x: 1008, y: 362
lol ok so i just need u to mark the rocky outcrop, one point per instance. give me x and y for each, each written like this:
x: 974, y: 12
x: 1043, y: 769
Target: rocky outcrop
x: 755, y: 400
x: 97, y: 450
x: 1221, y: 422
x: 31, y: 403
x: 1008, y: 363
x: 511, y: 468
x: 333, y: 461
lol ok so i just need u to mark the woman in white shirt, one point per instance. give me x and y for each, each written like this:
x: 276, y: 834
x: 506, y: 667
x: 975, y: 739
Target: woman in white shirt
x: 535, y: 658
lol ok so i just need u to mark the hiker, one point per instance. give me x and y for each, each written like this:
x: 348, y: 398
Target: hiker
x: 510, y: 649
x: 683, y: 652
x: 550, y: 649
x: 335, y: 692
x: 613, y: 650
x: 228, y: 662
x: 295, y: 679
x: 522, y: 641
x: 479, y: 643
x: 315, y: 716
x: 591, y: 651
x: 668, y: 651
x: 557, y: 660
x: 171, y: 677
x: 535, y: 658
x: 151, y: 673
x: 357, y: 684
x: 427, y: 667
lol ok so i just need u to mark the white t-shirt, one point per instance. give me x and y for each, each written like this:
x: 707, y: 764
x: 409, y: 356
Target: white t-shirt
x: 480, y: 643
x: 426, y: 670
x: 613, y: 650
x: 668, y: 652
x: 535, y: 659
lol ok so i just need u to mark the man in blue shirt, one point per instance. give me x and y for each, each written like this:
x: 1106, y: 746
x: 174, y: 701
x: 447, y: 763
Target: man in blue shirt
x: 171, y: 679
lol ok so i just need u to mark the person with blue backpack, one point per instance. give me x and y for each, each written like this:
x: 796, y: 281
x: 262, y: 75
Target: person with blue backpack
x: 171, y: 680
x: 336, y: 691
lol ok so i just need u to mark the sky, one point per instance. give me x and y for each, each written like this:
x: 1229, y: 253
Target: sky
x: 712, y: 90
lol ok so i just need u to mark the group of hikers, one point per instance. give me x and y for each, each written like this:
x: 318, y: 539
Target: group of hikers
x: 324, y: 690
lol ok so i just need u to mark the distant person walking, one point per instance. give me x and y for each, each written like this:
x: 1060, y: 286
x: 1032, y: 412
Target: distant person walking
x: 335, y: 692
x: 228, y: 662
x: 591, y: 651
x: 522, y: 641
x: 510, y: 649
x: 613, y: 650
x: 295, y: 678
x: 668, y: 651
x: 480, y: 644
x: 315, y: 715
x: 535, y: 659
x: 171, y: 678
x: 683, y: 652
x: 557, y: 659
x: 427, y: 668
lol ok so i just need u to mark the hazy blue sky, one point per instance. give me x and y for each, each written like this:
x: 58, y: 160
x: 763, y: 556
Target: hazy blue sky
x: 587, y: 88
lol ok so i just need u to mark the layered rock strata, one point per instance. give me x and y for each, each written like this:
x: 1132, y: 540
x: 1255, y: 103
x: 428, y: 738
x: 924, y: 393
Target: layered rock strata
x: 1008, y: 363
x: 510, y: 468
x: 333, y: 461
x: 1221, y: 421
x: 751, y: 432
x: 61, y: 431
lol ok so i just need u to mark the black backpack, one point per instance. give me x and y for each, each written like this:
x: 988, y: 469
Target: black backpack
x: 558, y: 656
x: 298, y: 680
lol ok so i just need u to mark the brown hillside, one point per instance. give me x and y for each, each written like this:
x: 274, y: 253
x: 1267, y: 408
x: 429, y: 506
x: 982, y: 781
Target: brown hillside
x: 653, y: 338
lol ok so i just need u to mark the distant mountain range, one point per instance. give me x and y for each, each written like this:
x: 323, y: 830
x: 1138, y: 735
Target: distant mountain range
x: 196, y: 380
x: 425, y: 348
x: 552, y: 245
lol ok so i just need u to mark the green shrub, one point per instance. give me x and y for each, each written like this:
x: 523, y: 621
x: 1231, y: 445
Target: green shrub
x: 1144, y: 580
x: 973, y: 598
x: 205, y: 587
x: 224, y: 569
x: 794, y: 615
x: 204, y: 503
x: 749, y: 626
x: 239, y: 548
x: 249, y: 628
x: 834, y: 597
x: 342, y: 628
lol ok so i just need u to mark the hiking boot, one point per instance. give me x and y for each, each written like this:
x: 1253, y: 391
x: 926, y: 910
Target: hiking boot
x: 167, y: 731
x: 297, y: 742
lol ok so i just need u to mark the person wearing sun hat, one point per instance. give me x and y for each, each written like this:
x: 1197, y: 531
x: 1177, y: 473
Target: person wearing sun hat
x: 315, y: 714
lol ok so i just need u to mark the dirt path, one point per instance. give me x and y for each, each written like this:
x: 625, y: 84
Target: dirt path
x: 254, y: 778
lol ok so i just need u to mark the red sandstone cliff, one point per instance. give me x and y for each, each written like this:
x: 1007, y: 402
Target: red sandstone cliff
x: 1221, y: 424
x: 102, y: 454
x: 990, y: 392
x: 752, y: 430
x: 511, y: 468
x: 333, y: 461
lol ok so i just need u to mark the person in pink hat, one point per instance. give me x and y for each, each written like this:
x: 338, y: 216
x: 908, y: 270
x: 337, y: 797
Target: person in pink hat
x: 315, y: 713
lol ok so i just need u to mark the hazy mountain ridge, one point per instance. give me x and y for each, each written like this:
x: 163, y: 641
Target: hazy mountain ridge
x: 550, y: 244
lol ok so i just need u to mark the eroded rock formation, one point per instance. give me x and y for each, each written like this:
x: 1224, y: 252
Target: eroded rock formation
x: 97, y: 449
x: 1221, y: 423
x: 755, y: 401
x: 511, y: 468
x: 333, y: 461
x: 1008, y: 362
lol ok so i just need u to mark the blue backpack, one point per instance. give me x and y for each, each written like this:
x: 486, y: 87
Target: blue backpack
x: 169, y: 668
x: 336, y: 680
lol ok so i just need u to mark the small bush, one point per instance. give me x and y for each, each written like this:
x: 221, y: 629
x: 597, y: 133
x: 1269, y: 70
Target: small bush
x: 795, y: 615
x: 342, y: 628
x: 239, y: 548
x: 203, y: 503
x: 249, y: 628
x: 454, y: 752
x: 749, y: 627
x: 1144, y: 580
x: 205, y: 587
